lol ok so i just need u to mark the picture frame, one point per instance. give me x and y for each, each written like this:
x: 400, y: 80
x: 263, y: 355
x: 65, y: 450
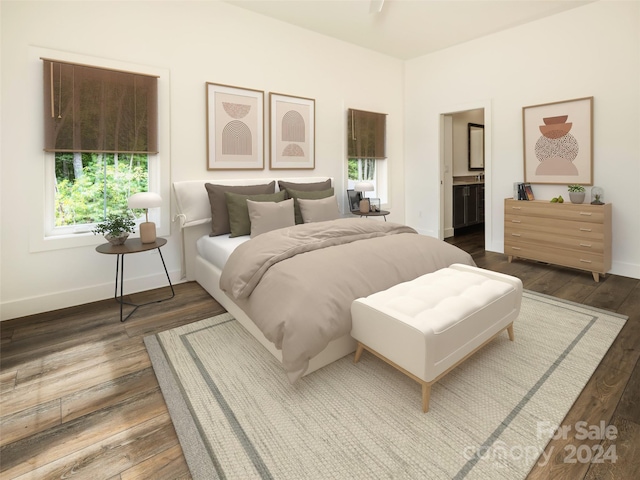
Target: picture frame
x: 353, y: 200
x: 374, y: 204
x: 558, y: 142
x: 235, y: 128
x: 291, y: 132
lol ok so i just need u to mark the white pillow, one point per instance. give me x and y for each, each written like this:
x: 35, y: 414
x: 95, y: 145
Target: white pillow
x: 267, y: 216
x: 319, y: 210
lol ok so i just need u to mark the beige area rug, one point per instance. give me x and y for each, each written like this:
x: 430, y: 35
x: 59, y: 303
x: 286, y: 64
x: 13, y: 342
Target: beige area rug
x: 237, y: 416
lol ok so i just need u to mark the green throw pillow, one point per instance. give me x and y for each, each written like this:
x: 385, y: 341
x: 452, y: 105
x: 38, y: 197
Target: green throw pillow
x: 313, y: 195
x: 239, y: 221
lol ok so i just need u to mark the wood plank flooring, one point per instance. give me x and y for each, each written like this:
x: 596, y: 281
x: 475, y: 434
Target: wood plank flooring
x: 79, y: 399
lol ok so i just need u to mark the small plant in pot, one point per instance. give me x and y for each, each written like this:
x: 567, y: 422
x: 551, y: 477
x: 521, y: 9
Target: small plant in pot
x: 576, y: 193
x: 116, y: 228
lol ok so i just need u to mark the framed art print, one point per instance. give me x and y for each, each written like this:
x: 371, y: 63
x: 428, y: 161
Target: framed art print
x: 558, y: 142
x: 235, y: 128
x: 292, y: 132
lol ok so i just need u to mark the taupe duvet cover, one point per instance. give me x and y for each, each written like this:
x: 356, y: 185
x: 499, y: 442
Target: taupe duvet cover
x: 297, y: 284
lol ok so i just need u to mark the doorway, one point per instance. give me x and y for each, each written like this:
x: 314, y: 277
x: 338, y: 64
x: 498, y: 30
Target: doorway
x: 465, y: 206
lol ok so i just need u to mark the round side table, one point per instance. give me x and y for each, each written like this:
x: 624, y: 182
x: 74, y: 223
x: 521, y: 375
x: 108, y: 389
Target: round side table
x: 381, y: 213
x: 133, y: 245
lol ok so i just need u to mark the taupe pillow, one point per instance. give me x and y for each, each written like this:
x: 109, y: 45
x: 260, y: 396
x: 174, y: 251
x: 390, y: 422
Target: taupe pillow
x: 219, y: 213
x: 239, y: 222
x: 310, y: 195
x: 304, y: 187
x: 267, y: 216
x: 320, y: 210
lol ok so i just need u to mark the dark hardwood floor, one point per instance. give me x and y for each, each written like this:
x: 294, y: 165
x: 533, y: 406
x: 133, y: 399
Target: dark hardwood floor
x: 79, y: 398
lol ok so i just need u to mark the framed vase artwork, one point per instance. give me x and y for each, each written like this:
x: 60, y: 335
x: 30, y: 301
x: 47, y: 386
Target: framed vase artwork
x: 292, y: 132
x: 558, y: 142
x: 235, y: 128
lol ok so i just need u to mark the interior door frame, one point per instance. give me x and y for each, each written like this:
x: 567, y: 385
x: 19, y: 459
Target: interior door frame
x: 443, y: 149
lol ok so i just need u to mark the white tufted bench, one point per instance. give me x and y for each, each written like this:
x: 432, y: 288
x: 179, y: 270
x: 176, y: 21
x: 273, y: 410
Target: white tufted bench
x: 427, y: 326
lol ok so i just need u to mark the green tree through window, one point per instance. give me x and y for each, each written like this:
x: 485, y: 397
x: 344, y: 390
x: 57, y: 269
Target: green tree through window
x: 90, y: 186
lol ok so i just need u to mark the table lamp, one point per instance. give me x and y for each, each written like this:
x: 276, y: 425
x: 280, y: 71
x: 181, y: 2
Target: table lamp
x: 364, y: 202
x: 146, y: 200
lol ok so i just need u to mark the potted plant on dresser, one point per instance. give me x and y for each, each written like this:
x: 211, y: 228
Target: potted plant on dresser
x: 116, y: 228
x: 576, y: 193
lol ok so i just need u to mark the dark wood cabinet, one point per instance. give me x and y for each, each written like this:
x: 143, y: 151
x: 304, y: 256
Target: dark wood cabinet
x: 468, y: 205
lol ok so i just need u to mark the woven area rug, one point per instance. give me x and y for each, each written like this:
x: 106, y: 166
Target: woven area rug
x: 237, y: 416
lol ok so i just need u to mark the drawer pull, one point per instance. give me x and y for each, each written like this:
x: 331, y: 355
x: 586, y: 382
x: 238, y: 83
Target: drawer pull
x: 515, y: 221
x: 585, y: 261
x: 515, y: 234
x: 585, y: 245
x: 585, y: 229
x: 588, y: 214
x: 516, y: 208
x: 516, y: 248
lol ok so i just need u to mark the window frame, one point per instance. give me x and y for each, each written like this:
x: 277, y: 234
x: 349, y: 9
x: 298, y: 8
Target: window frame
x: 41, y: 193
x: 51, y: 230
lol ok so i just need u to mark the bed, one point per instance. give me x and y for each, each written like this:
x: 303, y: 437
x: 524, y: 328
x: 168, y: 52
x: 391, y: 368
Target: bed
x: 292, y: 288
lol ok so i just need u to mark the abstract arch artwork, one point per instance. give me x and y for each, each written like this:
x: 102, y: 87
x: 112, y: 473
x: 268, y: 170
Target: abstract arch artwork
x: 236, y: 139
x: 292, y: 123
x: 235, y: 128
x: 293, y: 127
x: 558, y: 142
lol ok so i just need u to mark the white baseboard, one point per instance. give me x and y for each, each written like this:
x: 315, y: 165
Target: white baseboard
x: 70, y: 298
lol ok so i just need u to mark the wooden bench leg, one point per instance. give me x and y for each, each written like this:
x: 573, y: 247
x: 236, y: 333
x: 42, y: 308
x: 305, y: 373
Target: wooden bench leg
x: 358, y: 353
x: 510, y: 332
x: 426, y: 394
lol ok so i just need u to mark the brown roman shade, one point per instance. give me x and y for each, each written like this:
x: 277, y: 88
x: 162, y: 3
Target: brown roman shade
x: 91, y: 109
x: 366, y: 134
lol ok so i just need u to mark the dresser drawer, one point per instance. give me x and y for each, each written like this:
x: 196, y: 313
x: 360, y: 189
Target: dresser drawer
x: 553, y: 227
x: 561, y: 211
x: 546, y: 240
x: 558, y: 256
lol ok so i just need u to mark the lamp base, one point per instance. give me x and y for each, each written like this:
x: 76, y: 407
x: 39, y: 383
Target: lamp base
x: 147, y: 232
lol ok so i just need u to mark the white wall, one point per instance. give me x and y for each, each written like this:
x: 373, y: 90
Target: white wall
x: 592, y: 50
x: 195, y: 42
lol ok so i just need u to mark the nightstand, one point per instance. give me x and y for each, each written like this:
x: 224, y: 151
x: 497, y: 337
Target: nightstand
x: 133, y: 245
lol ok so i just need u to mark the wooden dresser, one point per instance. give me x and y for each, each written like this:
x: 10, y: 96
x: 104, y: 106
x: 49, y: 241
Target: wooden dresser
x: 567, y: 234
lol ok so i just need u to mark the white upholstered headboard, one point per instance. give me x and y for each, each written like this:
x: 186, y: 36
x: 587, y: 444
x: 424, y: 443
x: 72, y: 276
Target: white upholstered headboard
x: 194, y: 211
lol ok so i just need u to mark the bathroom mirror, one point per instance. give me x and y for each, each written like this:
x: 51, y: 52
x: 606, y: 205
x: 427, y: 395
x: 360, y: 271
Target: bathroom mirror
x: 476, y: 146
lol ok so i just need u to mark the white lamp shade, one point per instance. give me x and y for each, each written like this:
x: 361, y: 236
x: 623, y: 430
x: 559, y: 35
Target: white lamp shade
x: 363, y: 187
x: 144, y: 200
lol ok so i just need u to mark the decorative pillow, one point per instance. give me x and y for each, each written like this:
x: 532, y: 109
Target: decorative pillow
x: 239, y: 223
x: 307, y: 195
x: 219, y: 213
x: 319, y: 210
x: 304, y: 187
x: 267, y: 216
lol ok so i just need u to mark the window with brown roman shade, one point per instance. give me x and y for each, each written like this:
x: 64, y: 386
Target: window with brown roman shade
x: 366, y: 134
x: 92, y: 109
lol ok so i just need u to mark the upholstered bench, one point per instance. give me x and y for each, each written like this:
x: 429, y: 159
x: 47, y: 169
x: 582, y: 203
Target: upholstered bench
x: 427, y: 326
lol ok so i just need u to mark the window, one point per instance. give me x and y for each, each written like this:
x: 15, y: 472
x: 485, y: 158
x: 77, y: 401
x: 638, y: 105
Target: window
x: 101, y: 139
x: 366, y: 140
x: 90, y: 186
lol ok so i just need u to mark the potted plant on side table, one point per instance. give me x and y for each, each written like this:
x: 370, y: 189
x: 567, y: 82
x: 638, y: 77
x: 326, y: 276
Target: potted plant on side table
x: 576, y: 193
x: 116, y: 228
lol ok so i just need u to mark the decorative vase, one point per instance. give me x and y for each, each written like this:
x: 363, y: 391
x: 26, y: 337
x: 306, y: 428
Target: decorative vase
x: 576, y: 197
x: 119, y: 240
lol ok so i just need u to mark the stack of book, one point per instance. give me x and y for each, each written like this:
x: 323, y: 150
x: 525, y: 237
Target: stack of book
x: 522, y: 191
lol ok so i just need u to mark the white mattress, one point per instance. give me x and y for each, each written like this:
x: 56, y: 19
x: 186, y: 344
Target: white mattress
x: 216, y: 250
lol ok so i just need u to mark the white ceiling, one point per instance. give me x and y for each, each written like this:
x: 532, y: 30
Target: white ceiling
x: 407, y: 28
